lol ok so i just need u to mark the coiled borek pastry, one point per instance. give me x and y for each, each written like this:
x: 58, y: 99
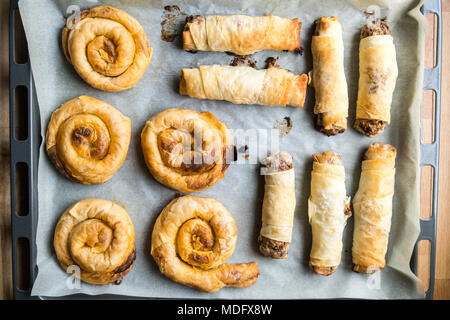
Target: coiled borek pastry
x: 94, y: 239
x: 186, y: 150
x: 107, y: 47
x: 87, y: 140
x: 191, y: 240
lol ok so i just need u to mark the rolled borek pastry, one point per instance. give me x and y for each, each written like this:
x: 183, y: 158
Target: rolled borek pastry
x: 377, y: 77
x: 328, y: 77
x: 245, y: 85
x: 186, y: 150
x: 328, y: 211
x: 372, y: 205
x: 107, y: 47
x: 191, y: 240
x: 240, y: 34
x: 278, y: 205
x: 87, y: 140
x: 97, y: 236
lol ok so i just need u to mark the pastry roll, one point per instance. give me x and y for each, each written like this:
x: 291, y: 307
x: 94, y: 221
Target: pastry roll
x: 377, y: 77
x: 372, y: 205
x: 191, y: 240
x: 186, y: 150
x: 87, y: 140
x: 98, y: 237
x: 107, y: 47
x: 240, y: 34
x: 328, y: 211
x: 328, y: 77
x: 278, y: 205
x: 245, y: 85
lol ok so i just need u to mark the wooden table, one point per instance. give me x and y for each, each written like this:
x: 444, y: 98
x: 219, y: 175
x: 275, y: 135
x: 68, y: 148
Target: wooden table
x: 442, y: 276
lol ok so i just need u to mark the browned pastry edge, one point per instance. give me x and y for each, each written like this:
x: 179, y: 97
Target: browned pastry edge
x: 126, y: 266
x: 324, y: 271
x: 273, y: 248
x: 52, y: 154
x: 329, y: 157
x: 334, y: 130
x: 241, y: 275
x: 113, y: 276
x: 372, y: 127
x: 195, y: 185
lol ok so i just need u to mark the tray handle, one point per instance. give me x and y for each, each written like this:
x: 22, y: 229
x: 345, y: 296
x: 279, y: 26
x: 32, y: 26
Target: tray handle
x: 22, y: 152
x: 429, y: 152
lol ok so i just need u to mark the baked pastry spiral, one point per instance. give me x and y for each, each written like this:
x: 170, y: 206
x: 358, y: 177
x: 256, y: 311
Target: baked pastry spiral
x: 186, y: 150
x: 87, y: 140
x: 97, y: 236
x: 108, y: 48
x: 191, y: 239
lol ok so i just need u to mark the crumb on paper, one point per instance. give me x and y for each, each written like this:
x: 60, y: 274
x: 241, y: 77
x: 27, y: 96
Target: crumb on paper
x: 170, y: 22
x: 284, y: 126
x: 244, y: 150
x: 243, y: 61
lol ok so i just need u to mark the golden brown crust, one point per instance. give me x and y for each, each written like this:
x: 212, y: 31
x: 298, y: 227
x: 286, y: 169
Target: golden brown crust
x: 245, y: 85
x: 328, y: 77
x: 87, y: 140
x: 96, y: 236
x: 372, y: 206
x: 108, y: 48
x: 191, y: 240
x: 378, y: 150
x: 240, y: 34
x: 168, y: 142
x: 329, y: 157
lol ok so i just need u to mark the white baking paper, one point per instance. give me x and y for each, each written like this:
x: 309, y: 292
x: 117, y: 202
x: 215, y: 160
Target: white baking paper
x: 241, y: 190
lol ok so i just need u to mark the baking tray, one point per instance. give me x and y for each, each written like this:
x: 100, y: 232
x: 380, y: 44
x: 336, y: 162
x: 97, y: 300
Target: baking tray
x: 25, y: 152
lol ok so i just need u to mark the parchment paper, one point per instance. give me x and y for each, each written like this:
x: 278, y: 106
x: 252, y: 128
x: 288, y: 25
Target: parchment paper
x: 241, y: 190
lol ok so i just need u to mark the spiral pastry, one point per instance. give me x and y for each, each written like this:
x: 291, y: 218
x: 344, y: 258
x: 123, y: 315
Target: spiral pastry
x: 191, y: 239
x: 87, y: 140
x: 186, y: 150
x: 97, y: 236
x: 107, y: 47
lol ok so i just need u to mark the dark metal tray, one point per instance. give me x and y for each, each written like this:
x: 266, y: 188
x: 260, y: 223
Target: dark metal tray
x: 25, y: 152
